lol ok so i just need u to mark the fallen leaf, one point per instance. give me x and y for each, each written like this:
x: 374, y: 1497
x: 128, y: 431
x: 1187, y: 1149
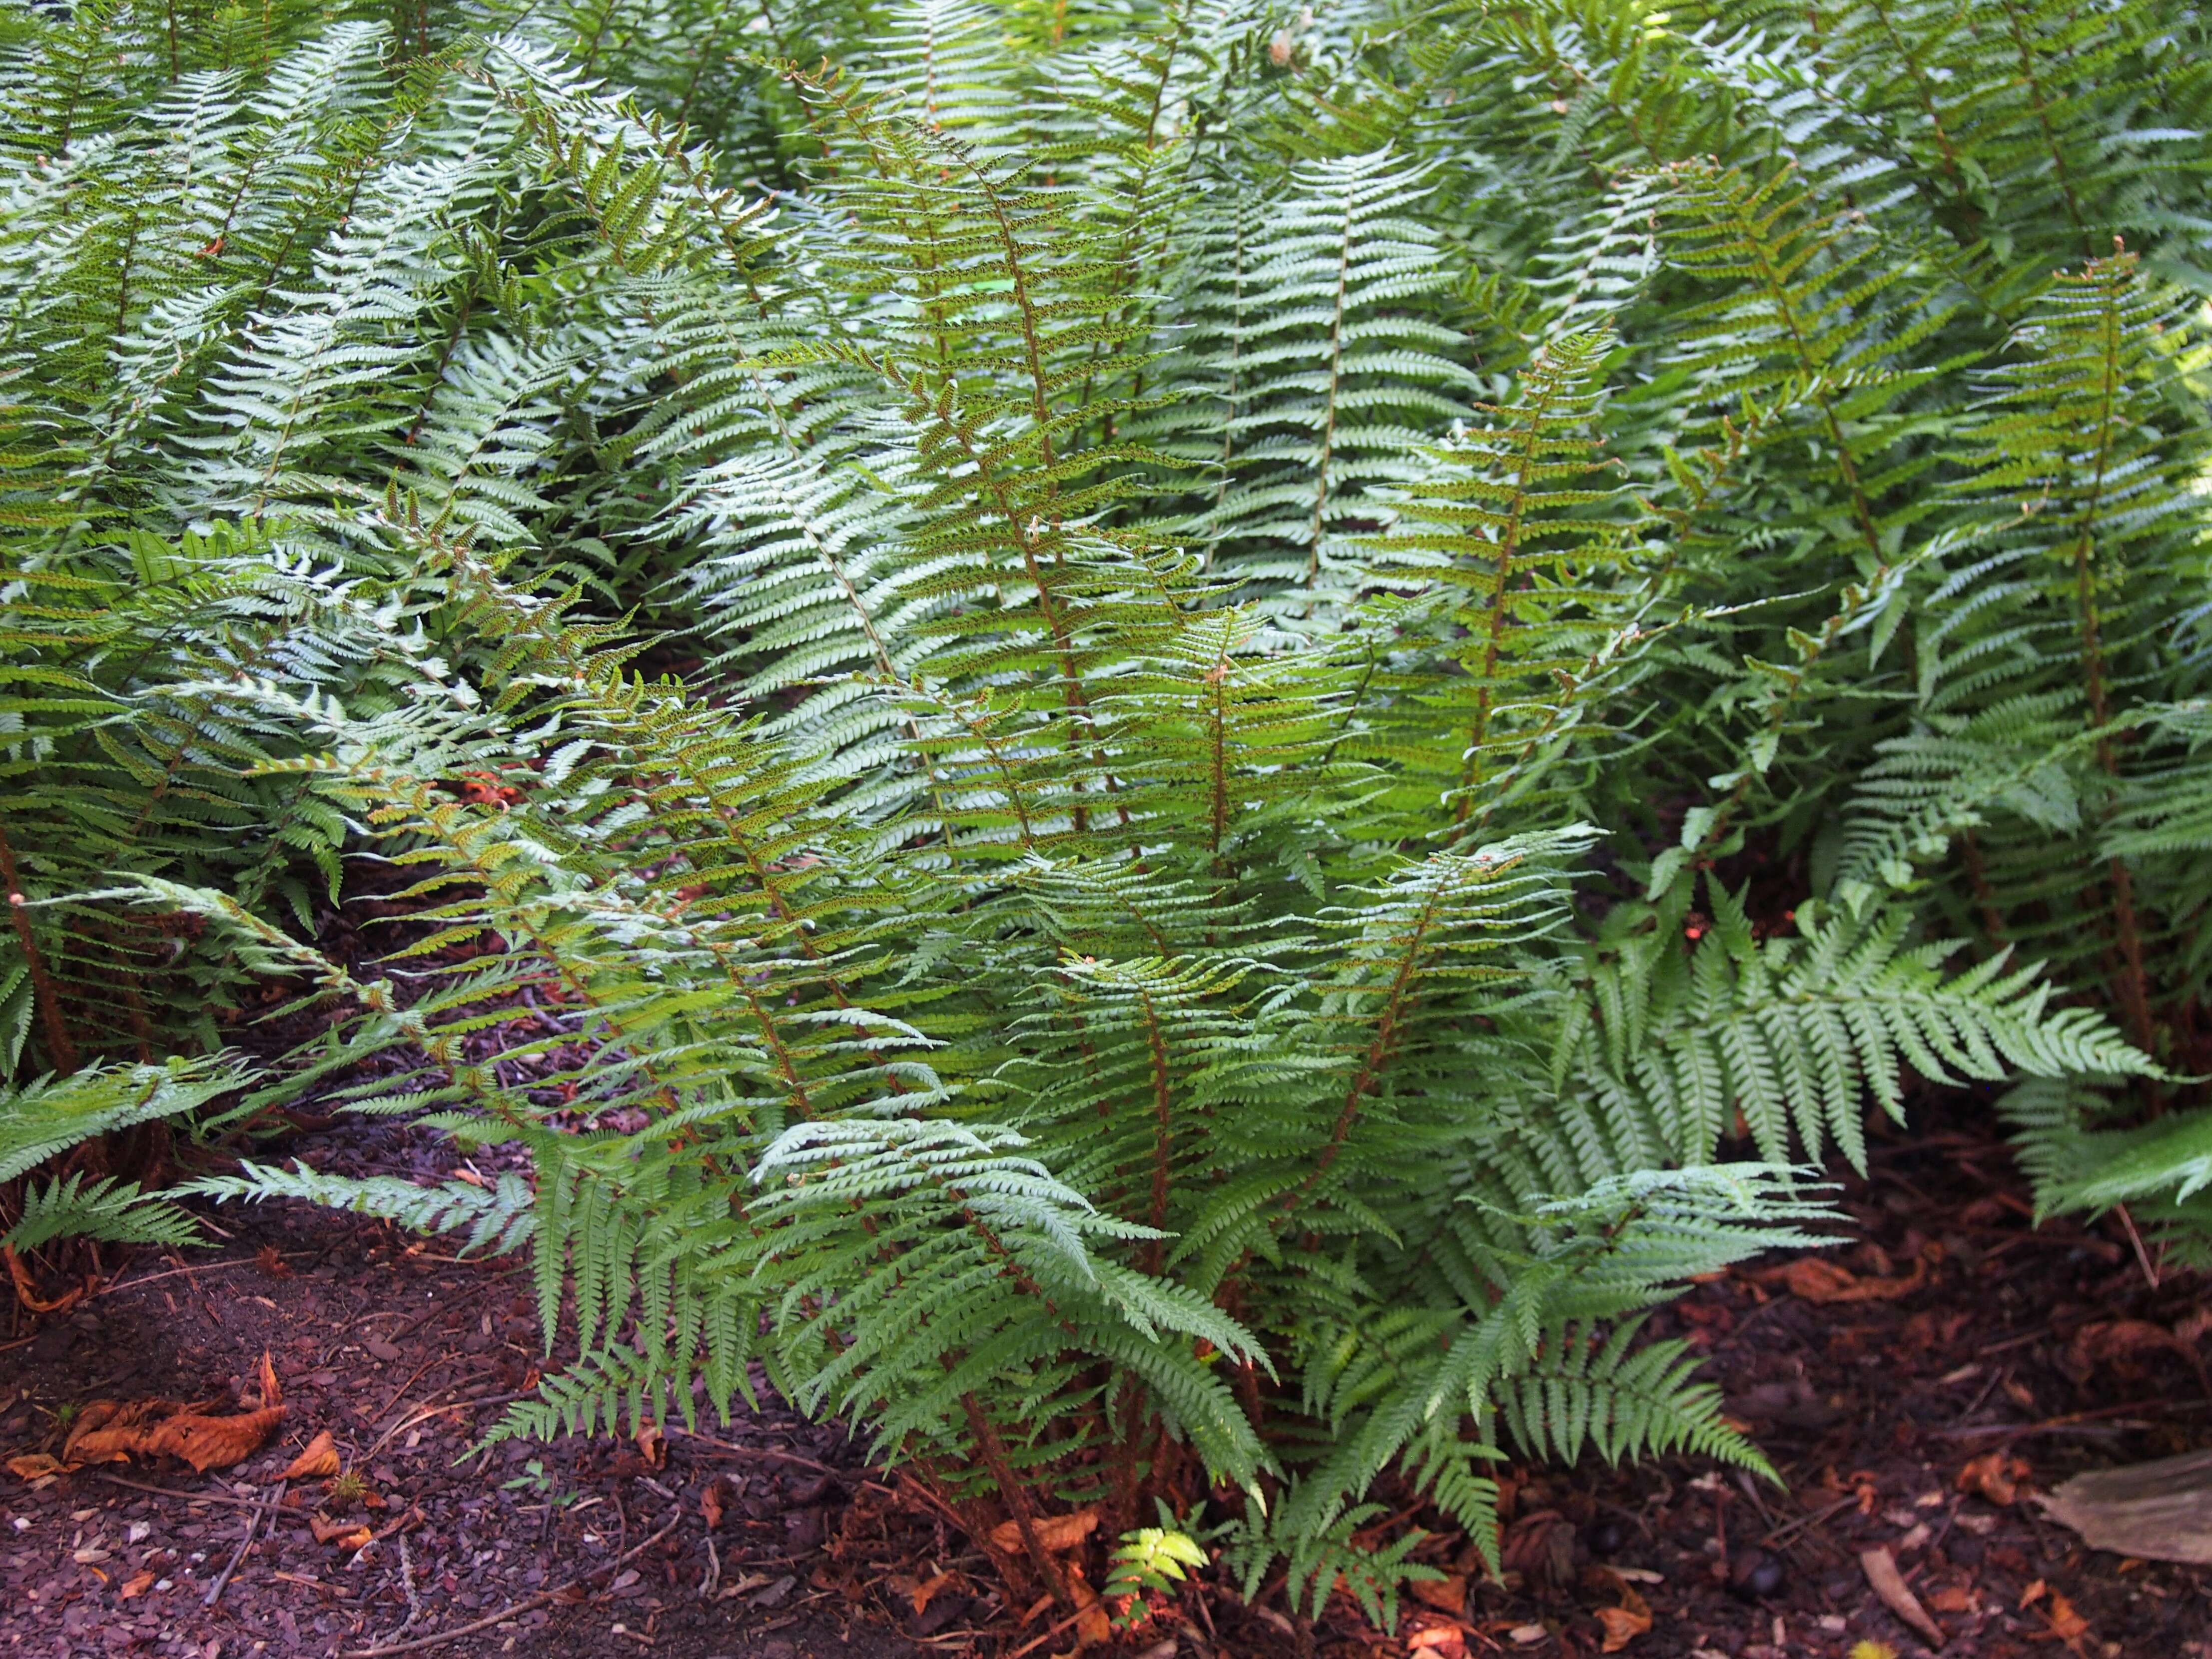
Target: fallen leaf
x: 212, y: 1442
x: 651, y: 1446
x: 2067, y: 1625
x: 1952, y: 1598
x: 1055, y: 1533
x: 2034, y: 1593
x: 2122, y: 1340
x: 111, y: 1431
x: 1444, y: 1641
x: 1527, y: 1635
x: 88, y: 1554
x: 1625, y: 1623
x: 319, y: 1462
x: 1815, y: 1279
x: 923, y: 1594
x: 710, y: 1501
x: 1093, y: 1627
x: 1880, y: 1568
x: 1871, y: 1650
x: 1444, y: 1594
x: 1996, y: 1476
x: 137, y: 1585
x: 346, y: 1534
x: 33, y: 1465
x: 267, y: 1259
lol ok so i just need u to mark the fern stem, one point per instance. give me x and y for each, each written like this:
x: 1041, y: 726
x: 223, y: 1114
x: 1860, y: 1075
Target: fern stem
x: 1016, y: 1492
x: 1509, y: 548
x: 1335, y: 383
x: 2033, y: 82
x: 61, y: 1050
x: 1399, y: 995
x: 2127, y: 929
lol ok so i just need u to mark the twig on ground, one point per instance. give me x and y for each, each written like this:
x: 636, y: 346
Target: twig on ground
x: 115, y: 1285
x: 172, y: 1491
x: 711, y: 1446
x: 1790, y: 1529
x: 266, y: 1506
x: 510, y: 1611
x: 2100, y: 1416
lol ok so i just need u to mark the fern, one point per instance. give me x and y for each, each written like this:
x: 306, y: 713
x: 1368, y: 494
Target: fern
x: 1072, y: 703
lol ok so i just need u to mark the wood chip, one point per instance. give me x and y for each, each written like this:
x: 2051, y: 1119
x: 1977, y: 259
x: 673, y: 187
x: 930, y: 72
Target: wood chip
x: 2162, y: 1510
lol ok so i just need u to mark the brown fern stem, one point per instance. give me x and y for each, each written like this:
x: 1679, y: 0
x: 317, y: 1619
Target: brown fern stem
x: 60, y: 1049
x: 1016, y: 1492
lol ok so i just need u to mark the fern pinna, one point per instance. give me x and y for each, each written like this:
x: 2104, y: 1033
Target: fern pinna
x: 1103, y: 678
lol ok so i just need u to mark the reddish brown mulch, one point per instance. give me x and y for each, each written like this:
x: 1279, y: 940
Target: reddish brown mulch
x: 406, y: 1355
x: 2047, y: 1348
x: 2046, y: 1351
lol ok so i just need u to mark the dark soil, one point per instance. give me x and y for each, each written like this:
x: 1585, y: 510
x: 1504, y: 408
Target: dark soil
x: 406, y: 1356
x: 2049, y: 1346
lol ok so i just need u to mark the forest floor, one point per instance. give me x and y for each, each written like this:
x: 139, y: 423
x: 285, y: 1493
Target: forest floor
x: 1915, y: 1387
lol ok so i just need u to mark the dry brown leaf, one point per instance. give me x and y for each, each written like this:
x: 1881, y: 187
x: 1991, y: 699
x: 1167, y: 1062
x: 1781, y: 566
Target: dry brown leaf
x: 111, y: 1431
x: 1625, y: 1623
x: 2121, y: 1342
x: 1880, y: 1568
x: 710, y: 1501
x: 1952, y: 1598
x: 27, y: 1291
x: 319, y: 1462
x: 213, y: 1443
x: 1093, y: 1628
x: 923, y: 1594
x: 2067, y: 1625
x: 1815, y: 1279
x: 33, y: 1465
x: 1443, y: 1641
x: 137, y: 1585
x: 1056, y: 1534
x: 346, y: 1534
x: 1444, y: 1594
x: 1996, y: 1476
x: 651, y: 1446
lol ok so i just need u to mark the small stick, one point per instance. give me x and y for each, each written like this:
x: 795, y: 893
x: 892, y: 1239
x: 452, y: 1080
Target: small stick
x: 177, y: 1492
x: 115, y: 1285
x: 2142, y: 1256
x: 1805, y: 1521
x: 710, y: 1446
x: 253, y: 1526
x: 170, y: 1492
x: 537, y: 1601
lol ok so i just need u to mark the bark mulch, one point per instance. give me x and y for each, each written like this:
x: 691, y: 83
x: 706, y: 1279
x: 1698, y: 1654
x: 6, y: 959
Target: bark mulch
x: 1914, y: 1390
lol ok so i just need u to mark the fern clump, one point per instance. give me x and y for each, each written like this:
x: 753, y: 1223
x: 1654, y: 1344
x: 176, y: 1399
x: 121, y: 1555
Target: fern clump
x: 1073, y: 709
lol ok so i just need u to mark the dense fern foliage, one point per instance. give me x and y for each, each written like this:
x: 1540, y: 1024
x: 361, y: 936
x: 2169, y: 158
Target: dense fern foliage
x: 1164, y: 743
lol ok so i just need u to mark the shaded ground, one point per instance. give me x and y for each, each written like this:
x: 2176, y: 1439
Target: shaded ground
x: 1971, y: 1335
x: 405, y: 1355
